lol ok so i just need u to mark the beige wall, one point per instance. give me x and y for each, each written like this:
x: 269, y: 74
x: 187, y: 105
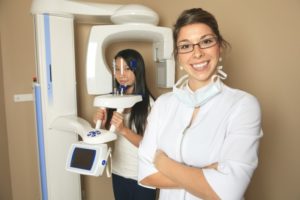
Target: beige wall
x: 5, y: 183
x: 18, y: 67
x: 5, y: 186
x: 263, y: 61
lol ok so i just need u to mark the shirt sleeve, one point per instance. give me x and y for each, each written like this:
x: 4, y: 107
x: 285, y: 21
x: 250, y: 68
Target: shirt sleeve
x: 239, y: 154
x: 148, y: 145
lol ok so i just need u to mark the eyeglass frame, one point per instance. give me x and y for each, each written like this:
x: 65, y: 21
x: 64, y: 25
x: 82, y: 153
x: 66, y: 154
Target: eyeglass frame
x: 199, y: 44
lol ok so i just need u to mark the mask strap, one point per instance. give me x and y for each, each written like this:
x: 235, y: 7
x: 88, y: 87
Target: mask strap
x: 219, y: 75
x: 182, y: 81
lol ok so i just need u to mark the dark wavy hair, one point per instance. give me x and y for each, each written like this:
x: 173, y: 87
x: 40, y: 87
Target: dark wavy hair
x: 140, y: 110
x: 194, y: 16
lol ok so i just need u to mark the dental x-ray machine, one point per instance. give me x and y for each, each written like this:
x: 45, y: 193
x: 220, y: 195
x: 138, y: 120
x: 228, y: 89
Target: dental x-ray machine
x: 55, y: 85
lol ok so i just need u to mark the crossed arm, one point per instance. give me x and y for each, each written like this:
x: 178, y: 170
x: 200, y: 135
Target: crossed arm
x: 172, y: 174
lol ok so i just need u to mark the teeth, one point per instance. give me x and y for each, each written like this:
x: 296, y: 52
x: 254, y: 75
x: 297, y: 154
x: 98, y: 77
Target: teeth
x: 200, y: 65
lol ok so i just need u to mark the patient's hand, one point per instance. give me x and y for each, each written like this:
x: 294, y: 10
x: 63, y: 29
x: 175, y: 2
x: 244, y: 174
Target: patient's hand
x: 118, y: 121
x: 100, y: 114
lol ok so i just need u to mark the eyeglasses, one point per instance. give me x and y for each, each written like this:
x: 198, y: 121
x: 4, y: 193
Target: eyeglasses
x: 203, y: 44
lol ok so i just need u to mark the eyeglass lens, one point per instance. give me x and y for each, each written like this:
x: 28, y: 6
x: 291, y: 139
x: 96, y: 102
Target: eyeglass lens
x: 203, y: 44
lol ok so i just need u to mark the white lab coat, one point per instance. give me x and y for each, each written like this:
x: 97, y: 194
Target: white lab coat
x: 226, y: 130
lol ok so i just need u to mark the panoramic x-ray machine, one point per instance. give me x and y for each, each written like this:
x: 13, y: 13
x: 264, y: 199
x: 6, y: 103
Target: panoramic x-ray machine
x: 55, y: 85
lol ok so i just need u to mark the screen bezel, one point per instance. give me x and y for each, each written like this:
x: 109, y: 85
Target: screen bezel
x: 83, y: 158
x: 94, y: 169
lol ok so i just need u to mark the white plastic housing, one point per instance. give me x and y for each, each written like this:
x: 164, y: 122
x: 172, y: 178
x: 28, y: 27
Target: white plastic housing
x: 87, y: 159
x: 94, y: 12
x: 102, y: 36
x: 117, y: 101
x: 55, y: 57
x: 54, y: 37
x: 134, y: 13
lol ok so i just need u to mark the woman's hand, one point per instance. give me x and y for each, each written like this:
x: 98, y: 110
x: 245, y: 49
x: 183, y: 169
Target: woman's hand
x: 159, y: 157
x: 212, y: 166
x: 181, y: 175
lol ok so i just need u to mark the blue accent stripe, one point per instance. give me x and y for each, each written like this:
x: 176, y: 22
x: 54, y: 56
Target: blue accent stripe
x: 40, y: 137
x: 48, y: 57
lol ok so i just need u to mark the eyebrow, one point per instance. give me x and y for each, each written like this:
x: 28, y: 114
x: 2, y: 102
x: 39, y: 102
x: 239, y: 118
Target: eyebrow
x: 203, y: 36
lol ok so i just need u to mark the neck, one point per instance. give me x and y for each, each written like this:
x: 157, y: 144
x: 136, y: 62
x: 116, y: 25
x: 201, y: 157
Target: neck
x: 195, y: 84
x: 130, y: 89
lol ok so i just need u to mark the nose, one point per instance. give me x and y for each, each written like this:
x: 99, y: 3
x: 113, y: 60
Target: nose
x: 121, y: 73
x: 121, y: 77
x: 198, y: 53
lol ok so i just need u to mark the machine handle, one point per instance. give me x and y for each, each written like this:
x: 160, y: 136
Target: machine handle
x: 99, y: 121
x: 98, y: 124
x: 112, y: 127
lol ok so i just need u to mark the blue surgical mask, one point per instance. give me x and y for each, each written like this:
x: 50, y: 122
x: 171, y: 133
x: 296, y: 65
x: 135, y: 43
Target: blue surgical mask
x: 202, y: 95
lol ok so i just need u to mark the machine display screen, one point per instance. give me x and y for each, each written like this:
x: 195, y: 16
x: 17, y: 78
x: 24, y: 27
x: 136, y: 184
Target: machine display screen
x: 83, y: 158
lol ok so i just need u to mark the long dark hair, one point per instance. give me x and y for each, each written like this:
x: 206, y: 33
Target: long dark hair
x: 140, y: 110
x: 194, y: 16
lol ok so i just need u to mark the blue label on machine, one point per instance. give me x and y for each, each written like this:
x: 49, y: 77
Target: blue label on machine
x: 48, y: 57
x: 40, y: 138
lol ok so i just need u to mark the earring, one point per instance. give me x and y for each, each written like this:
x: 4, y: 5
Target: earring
x: 180, y: 67
x: 220, y: 73
x: 220, y: 64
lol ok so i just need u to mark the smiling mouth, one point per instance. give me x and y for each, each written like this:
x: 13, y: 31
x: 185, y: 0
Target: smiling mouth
x: 123, y: 82
x: 200, y: 65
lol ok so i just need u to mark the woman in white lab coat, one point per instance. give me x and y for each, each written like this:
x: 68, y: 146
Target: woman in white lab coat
x: 130, y: 126
x: 202, y: 138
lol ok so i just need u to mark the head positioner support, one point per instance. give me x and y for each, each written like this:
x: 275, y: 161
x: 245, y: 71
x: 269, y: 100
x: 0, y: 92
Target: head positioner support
x: 102, y: 36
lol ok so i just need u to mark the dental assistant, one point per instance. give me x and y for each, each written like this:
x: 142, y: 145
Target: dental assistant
x: 202, y: 139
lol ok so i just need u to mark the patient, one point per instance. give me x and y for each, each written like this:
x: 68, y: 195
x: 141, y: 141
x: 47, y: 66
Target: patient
x: 130, y: 126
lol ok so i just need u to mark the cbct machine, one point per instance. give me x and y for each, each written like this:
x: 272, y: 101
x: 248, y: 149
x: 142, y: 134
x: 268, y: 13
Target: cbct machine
x: 62, y: 158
